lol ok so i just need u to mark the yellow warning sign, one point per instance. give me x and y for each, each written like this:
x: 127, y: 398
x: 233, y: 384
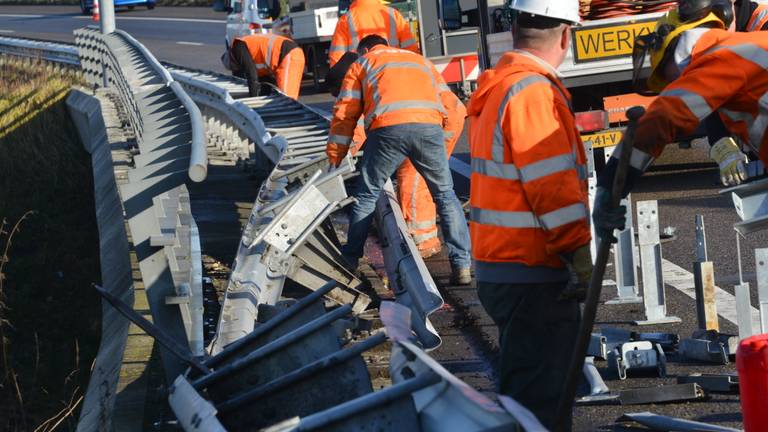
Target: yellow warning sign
x: 604, y: 42
x: 608, y: 138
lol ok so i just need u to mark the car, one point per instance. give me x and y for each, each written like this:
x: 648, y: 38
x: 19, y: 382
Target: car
x: 86, y: 6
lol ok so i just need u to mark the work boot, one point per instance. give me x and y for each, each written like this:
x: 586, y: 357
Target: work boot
x: 429, y: 248
x: 461, y: 276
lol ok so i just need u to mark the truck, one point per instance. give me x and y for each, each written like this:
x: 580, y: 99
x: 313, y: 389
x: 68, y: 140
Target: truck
x: 464, y: 37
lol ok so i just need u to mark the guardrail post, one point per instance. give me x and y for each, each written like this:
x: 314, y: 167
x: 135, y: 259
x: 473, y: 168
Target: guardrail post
x: 624, y: 262
x: 761, y: 258
x: 650, y: 260
x: 704, y: 282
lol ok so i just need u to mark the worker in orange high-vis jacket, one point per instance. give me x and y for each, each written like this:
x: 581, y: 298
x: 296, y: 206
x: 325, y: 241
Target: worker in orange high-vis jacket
x: 750, y: 16
x: 699, y: 68
x: 416, y: 203
x: 401, y: 121
x: 365, y: 18
x: 529, y: 214
x: 268, y: 58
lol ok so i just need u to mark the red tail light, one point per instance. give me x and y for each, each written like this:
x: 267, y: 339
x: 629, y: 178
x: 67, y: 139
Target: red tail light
x: 254, y: 26
x: 590, y: 121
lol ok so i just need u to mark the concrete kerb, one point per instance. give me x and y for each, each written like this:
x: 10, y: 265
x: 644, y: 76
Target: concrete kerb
x: 99, y: 402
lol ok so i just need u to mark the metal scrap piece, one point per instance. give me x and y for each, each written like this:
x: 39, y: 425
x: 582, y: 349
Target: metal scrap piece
x: 718, y: 383
x: 664, y: 423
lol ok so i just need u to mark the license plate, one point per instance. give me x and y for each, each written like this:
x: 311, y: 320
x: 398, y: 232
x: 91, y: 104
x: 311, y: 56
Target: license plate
x: 603, y: 139
x: 606, y: 42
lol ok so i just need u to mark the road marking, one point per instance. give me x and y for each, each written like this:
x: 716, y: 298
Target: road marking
x: 135, y: 18
x: 189, y: 43
x: 20, y: 16
x: 682, y: 279
x: 7, y: 31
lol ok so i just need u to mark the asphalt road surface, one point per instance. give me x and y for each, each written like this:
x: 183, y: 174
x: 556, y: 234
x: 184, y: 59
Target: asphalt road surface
x: 684, y: 182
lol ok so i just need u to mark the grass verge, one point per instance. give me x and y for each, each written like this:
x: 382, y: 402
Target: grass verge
x: 49, y: 314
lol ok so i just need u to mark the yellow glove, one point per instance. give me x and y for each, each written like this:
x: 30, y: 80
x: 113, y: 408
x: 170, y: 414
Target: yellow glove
x: 580, y: 264
x: 731, y: 160
x: 336, y: 153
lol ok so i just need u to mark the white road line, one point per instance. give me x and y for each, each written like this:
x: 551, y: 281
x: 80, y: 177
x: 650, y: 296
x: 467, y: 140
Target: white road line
x: 682, y: 279
x: 136, y: 18
x: 189, y: 43
x: 20, y: 16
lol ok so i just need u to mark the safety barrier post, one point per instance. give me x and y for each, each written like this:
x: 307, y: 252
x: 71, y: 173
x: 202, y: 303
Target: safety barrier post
x: 650, y: 260
x: 704, y: 282
x: 624, y: 262
x: 761, y: 264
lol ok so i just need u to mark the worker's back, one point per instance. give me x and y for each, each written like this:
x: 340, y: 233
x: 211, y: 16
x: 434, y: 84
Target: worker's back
x: 365, y: 18
x: 267, y: 50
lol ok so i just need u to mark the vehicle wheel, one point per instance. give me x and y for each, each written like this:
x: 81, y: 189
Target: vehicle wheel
x: 86, y: 10
x: 150, y: 6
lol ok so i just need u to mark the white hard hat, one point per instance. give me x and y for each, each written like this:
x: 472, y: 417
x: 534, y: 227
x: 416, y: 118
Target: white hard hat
x: 566, y: 10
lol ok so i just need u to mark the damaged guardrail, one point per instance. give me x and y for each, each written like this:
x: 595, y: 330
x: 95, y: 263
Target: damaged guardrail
x: 169, y: 150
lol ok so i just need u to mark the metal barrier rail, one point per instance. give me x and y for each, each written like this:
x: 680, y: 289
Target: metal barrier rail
x: 45, y: 50
x: 170, y: 140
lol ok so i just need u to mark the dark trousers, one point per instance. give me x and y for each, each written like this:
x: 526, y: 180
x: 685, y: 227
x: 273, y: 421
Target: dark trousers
x: 537, y: 335
x: 244, y: 67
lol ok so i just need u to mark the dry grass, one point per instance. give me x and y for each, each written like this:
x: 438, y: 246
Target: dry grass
x: 49, y: 316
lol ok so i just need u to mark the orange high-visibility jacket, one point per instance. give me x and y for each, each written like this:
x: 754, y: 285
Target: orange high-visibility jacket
x: 278, y: 56
x: 389, y: 86
x: 727, y: 73
x: 759, y: 19
x: 528, y: 192
x: 367, y: 17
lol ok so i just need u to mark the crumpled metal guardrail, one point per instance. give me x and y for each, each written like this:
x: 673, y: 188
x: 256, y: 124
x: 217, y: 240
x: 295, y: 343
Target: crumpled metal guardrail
x: 170, y: 150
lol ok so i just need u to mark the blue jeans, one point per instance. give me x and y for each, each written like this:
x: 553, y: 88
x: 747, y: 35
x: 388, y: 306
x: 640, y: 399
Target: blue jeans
x: 385, y: 150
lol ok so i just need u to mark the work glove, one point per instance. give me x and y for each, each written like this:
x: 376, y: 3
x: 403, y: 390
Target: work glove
x: 605, y: 218
x: 336, y: 153
x: 579, y: 263
x: 731, y: 160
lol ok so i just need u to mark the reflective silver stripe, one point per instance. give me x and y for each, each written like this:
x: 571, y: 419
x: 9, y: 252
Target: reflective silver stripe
x: 261, y: 66
x: 756, y: 23
x: 737, y: 116
x: 360, y: 122
x: 408, y: 42
x: 432, y: 223
x: 694, y: 101
x: 372, y: 80
x: 353, y: 41
x: 287, y: 72
x: 583, y: 172
x: 563, y: 216
x: 547, y: 166
x: 758, y: 127
x: 340, y: 48
x: 393, y: 41
x: 420, y: 238
x: 271, y: 43
x: 444, y: 87
x: 339, y: 139
x: 351, y: 94
x: 406, y: 104
x: 749, y: 52
x: 497, y: 151
x: 639, y: 160
x: 506, y: 219
x: 494, y: 169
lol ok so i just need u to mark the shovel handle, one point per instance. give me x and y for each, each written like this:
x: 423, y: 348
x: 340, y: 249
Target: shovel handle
x: 596, y: 282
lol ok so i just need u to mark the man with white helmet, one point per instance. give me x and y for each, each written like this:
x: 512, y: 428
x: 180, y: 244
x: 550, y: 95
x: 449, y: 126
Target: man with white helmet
x: 529, y: 207
x: 700, y: 69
